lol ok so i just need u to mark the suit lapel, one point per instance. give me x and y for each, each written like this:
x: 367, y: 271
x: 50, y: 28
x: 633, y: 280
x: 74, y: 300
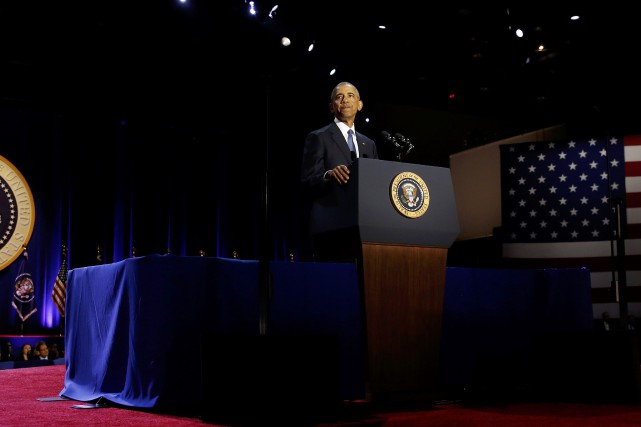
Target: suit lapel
x: 339, y: 140
x: 364, y: 149
x: 360, y: 141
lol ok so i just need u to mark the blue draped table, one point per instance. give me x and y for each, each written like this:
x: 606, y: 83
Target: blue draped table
x: 134, y: 328
x: 494, y: 319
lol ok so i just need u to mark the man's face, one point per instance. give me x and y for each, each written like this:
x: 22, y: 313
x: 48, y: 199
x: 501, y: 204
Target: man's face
x: 346, y: 102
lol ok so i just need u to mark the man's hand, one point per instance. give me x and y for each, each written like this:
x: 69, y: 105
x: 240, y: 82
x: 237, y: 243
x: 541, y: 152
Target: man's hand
x: 340, y: 174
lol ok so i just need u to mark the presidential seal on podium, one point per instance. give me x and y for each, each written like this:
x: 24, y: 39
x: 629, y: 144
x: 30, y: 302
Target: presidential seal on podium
x: 409, y: 194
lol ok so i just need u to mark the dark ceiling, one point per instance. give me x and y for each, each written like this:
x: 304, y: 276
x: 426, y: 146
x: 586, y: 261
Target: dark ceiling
x: 164, y: 53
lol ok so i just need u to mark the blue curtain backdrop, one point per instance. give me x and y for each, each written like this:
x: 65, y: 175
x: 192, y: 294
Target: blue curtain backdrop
x: 155, y: 181
x: 185, y: 165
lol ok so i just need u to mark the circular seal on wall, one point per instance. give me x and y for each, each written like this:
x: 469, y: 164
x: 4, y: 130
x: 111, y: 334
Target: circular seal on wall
x: 17, y: 213
x: 410, y: 195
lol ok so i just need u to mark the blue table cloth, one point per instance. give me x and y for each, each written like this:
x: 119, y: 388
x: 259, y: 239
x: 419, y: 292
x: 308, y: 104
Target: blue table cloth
x: 133, y: 328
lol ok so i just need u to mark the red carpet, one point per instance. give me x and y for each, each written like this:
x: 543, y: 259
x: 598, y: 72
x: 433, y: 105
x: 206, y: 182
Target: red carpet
x: 21, y: 389
x: 19, y: 406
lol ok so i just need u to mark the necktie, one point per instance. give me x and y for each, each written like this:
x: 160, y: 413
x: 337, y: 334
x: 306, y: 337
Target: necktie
x: 350, y: 143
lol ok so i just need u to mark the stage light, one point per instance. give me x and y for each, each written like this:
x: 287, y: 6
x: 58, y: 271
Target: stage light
x: 311, y: 47
x: 271, y: 12
x: 252, y: 8
x: 285, y: 41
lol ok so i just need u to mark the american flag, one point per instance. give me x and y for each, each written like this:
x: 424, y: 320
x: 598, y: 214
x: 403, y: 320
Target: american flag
x: 561, y: 204
x: 59, y: 294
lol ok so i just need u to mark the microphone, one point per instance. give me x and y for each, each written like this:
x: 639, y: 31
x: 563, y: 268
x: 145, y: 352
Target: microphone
x: 402, y: 140
x: 405, y: 143
x: 354, y: 158
x: 410, y: 147
x: 390, y: 139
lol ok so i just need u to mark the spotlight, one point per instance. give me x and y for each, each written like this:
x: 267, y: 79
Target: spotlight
x: 273, y: 11
x: 285, y: 41
x: 252, y: 8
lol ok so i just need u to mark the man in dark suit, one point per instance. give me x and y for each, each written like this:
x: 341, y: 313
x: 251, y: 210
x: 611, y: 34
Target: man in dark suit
x: 326, y: 155
x: 328, y: 152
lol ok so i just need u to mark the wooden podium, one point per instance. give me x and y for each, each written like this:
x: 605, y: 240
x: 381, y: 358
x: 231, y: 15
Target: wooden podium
x: 397, y: 221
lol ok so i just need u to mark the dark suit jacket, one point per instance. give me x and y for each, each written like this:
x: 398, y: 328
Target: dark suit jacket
x: 325, y: 148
